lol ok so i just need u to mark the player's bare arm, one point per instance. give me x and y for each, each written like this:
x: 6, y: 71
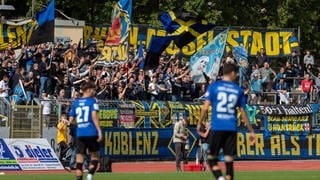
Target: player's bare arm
x: 95, y: 119
x: 204, y: 110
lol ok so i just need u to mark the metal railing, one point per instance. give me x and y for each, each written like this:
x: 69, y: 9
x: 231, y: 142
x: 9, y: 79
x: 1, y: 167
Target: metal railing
x: 25, y: 121
x: 4, y: 112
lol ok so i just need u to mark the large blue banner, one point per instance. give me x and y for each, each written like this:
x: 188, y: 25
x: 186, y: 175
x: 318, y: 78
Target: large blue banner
x: 138, y: 144
x: 208, y: 59
x: 278, y: 147
x: 156, y: 144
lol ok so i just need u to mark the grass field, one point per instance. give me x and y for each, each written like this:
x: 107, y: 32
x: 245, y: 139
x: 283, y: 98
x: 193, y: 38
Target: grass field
x: 256, y: 175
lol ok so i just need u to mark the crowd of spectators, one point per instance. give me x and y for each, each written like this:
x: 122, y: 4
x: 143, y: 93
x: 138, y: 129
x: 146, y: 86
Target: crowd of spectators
x: 58, y: 70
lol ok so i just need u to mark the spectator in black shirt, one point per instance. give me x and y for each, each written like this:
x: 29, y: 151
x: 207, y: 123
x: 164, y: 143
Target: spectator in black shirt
x: 44, y: 74
x: 36, y: 74
x: 29, y: 87
x: 290, y: 74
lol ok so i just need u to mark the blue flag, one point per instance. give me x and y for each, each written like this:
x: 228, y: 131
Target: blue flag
x: 46, y: 14
x: 126, y: 5
x: 208, y: 59
x: 44, y: 31
x: 140, y: 56
x: 19, y: 93
x: 140, y: 51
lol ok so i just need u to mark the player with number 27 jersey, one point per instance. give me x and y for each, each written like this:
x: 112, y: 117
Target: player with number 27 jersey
x: 81, y: 111
x: 225, y: 97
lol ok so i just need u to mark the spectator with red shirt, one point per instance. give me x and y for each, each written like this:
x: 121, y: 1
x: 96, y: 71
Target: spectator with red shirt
x: 307, y: 88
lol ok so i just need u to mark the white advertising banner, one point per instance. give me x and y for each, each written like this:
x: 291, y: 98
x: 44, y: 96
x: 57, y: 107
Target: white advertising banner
x: 28, y: 154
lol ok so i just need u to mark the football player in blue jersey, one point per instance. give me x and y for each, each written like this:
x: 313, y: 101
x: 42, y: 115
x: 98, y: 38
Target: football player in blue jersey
x: 84, y: 113
x: 225, y: 97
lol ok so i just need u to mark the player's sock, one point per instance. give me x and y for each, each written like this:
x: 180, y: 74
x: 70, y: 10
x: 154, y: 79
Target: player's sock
x: 89, y: 177
x: 93, y: 169
x: 217, y: 173
x: 229, y: 169
x: 79, y: 178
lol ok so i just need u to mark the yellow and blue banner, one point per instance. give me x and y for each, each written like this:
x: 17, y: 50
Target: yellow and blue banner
x: 277, y: 42
x: 207, y: 60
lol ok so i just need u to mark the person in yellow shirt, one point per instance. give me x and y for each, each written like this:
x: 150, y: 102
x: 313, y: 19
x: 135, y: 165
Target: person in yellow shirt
x: 62, y: 140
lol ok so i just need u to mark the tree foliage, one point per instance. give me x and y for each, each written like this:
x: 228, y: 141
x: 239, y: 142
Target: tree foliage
x: 255, y: 13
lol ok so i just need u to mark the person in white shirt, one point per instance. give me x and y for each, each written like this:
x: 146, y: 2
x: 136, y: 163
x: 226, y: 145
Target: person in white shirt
x: 46, y: 109
x: 4, y: 89
x: 153, y: 89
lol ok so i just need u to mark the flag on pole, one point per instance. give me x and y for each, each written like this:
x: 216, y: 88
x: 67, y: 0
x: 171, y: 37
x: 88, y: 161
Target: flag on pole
x: 44, y: 30
x: 19, y: 93
x: 120, y: 23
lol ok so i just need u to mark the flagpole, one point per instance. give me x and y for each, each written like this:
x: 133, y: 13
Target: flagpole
x: 32, y: 8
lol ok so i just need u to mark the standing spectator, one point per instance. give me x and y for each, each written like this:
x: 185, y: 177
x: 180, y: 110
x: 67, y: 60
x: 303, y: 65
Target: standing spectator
x: 62, y: 140
x: 204, y: 133
x: 36, y: 74
x: 44, y: 75
x: 46, y: 110
x: 282, y: 92
x: 103, y: 91
x: 317, y: 83
x: 153, y: 89
x: 179, y: 139
x: 295, y: 60
x: 310, y: 70
x: 256, y: 84
x: 162, y: 87
x: 72, y: 145
x: 29, y: 58
x: 186, y: 89
x: 254, y: 71
x: 141, y: 86
x: 290, y: 73
x: 176, y: 89
x: 308, y: 59
x: 29, y: 87
x: 131, y: 92
x: 280, y: 75
x: 267, y: 85
x: 16, y: 77
x: 4, y: 88
x: 262, y: 58
x: 230, y: 58
x: 307, y: 88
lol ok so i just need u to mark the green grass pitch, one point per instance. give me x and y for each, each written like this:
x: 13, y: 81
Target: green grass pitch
x: 253, y: 175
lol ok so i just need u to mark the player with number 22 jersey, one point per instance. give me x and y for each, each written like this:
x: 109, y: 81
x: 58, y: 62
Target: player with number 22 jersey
x: 225, y: 96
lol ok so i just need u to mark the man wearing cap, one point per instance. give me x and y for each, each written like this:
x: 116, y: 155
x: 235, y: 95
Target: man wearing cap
x: 180, y: 137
